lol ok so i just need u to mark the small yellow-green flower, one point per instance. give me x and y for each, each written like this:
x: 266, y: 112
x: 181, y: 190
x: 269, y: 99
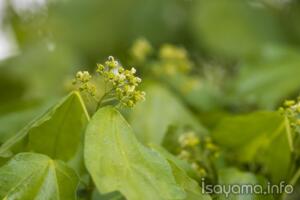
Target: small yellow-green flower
x: 289, y: 103
x: 291, y: 110
x: 141, y: 49
x: 184, y: 155
x: 189, y: 139
x: 83, y: 79
x: 198, y: 169
x: 174, y: 60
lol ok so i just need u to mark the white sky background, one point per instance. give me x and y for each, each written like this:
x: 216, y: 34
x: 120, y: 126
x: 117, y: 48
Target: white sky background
x: 8, y: 45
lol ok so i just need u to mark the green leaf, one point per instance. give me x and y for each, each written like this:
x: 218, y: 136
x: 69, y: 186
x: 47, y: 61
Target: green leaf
x: 199, y: 92
x: 255, y: 81
x: 261, y: 138
x: 191, y: 187
x: 118, y: 162
x: 109, y: 196
x: 231, y: 176
x: 222, y: 26
x: 39, y: 70
x: 15, y: 115
x: 30, y: 176
x: 58, y: 133
x: 152, y: 118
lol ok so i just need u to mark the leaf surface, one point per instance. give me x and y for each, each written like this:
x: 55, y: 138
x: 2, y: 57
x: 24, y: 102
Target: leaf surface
x: 118, y: 162
x: 259, y: 137
x: 231, y: 177
x: 58, y: 133
x: 269, y: 80
x: 152, y: 118
x: 191, y: 187
x: 30, y: 176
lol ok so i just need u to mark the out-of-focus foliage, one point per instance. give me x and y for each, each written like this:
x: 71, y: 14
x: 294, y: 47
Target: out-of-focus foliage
x: 64, y: 123
x: 233, y: 176
x: 262, y: 132
x: 266, y: 81
x: 152, y: 118
x: 215, y: 72
x: 36, y: 176
x: 235, y: 28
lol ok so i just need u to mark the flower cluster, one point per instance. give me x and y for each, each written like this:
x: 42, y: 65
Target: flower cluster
x: 291, y: 110
x: 189, y: 142
x: 210, y: 146
x: 188, y: 139
x: 174, y: 59
x: 123, y: 82
x: 171, y: 60
x: 83, y: 79
x: 196, y: 151
x: 141, y: 49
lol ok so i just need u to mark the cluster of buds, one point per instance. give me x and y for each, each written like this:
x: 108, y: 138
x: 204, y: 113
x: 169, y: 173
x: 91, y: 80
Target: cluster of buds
x: 174, y: 59
x: 140, y: 50
x: 201, y: 171
x: 83, y: 79
x: 189, y: 143
x: 291, y: 110
x: 171, y: 59
x: 197, y: 151
x: 188, y: 139
x: 211, y: 147
x: 123, y: 82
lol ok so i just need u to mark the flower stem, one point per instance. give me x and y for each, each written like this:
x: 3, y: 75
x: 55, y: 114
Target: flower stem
x: 101, y: 100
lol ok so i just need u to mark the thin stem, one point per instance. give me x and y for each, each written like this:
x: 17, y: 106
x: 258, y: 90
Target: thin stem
x: 90, y: 189
x: 95, y: 99
x: 108, y: 100
x: 103, y: 97
x: 100, y: 101
x: 295, y: 178
x: 292, y: 182
x: 289, y: 133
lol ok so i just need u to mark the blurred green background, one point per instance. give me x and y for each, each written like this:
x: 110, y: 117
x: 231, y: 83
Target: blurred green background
x: 246, y: 52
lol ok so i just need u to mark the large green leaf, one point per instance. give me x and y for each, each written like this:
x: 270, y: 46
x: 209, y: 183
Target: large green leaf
x: 191, y: 187
x: 231, y: 176
x: 17, y: 114
x: 233, y: 28
x: 271, y: 79
x: 30, y: 176
x: 39, y: 70
x: 261, y: 138
x: 152, y: 118
x: 118, y: 162
x: 109, y: 196
x: 58, y: 133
